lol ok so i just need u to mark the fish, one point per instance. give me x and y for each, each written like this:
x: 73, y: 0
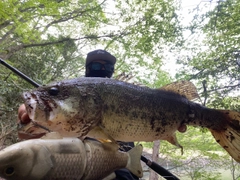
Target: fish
x: 66, y: 158
x: 113, y: 110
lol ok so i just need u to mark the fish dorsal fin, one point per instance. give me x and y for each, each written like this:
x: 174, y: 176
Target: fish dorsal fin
x: 52, y: 135
x: 184, y: 88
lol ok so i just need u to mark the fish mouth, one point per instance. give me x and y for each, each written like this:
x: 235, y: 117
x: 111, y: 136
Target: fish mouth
x: 38, y: 115
x: 40, y: 108
x: 47, y: 114
x: 23, y: 135
x: 30, y: 103
x: 32, y: 130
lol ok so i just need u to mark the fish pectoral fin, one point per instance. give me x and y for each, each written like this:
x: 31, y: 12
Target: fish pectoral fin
x: 107, y: 141
x: 52, y: 135
x: 173, y: 140
x: 104, y: 140
x: 99, y: 134
x: 112, y: 146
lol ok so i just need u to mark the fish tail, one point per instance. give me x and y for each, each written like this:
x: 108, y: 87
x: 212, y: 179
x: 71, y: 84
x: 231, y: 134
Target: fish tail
x: 134, y: 164
x: 229, y: 137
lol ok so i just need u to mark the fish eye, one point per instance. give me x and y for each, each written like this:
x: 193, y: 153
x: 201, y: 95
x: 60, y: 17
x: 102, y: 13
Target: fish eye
x: 9, y: 171
x: 53, y: 91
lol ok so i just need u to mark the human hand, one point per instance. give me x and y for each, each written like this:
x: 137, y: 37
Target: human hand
x: 23, y: 117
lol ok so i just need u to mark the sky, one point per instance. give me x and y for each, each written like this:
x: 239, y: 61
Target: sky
x: 170, y: 64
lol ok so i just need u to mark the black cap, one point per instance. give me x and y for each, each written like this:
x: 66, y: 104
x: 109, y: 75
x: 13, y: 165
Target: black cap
x: 100, y: 54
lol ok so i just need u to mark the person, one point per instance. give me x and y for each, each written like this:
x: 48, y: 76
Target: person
x: 99, y: 63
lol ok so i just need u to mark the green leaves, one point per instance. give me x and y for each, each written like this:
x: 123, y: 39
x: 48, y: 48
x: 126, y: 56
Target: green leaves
x: 202, y: 156
x: 214, y: 51
x: 48, y: 40
x: 134, y: 31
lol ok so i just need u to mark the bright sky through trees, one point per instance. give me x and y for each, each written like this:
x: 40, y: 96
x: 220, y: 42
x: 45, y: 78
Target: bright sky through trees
x: 189, y: 8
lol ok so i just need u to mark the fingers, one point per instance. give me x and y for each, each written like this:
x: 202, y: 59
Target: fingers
x: 22, y: 115
x: 25, y: 118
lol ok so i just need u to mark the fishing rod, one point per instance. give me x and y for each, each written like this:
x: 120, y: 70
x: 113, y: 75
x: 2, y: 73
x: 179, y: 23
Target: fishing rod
x: 159, y: 169
x: 153, y: 165
x: 19, y: 73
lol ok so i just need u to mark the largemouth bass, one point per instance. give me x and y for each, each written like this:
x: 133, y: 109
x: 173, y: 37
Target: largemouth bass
x: 67, y: 158
x: 109, y: 109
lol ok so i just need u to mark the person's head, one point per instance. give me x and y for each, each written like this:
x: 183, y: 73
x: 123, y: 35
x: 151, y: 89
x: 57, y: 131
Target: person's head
x: 99, y: 63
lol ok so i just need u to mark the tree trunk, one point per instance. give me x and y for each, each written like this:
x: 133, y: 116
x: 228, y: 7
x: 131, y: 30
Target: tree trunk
x: 156, y: 145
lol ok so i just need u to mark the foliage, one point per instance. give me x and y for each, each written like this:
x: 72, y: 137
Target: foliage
x: 200, y: 156
x: 214, y: 47
x: 137, y: 28
x: 134, y: 31
x: 210, y: 59
x: 235, y: 169
x: 48, y: 41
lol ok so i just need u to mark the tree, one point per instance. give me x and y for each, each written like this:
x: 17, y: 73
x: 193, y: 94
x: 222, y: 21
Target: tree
x: 48, y: 40
x: 138, y: 28
x: 214, y: 61
x: 135, y: 31
x: 210, y: 58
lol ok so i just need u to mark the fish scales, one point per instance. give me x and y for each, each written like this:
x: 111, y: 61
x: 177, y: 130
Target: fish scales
x: 67, y: 166
x: 140, y: 116
x: 103, y: 161
x: 109, y: 109
x: 66, y: 159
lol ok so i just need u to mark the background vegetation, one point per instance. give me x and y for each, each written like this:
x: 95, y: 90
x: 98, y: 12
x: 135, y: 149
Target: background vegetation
x: 48, y: 41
